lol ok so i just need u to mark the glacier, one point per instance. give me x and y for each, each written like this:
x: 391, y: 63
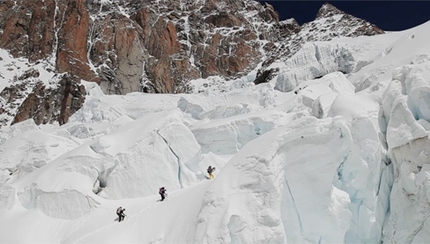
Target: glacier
x: 334, y: 149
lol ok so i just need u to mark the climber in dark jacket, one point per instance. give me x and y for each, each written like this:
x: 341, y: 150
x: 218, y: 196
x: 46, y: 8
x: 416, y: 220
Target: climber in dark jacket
x: 120, y: 213
x: 162, y: 193
x: 210, y: 171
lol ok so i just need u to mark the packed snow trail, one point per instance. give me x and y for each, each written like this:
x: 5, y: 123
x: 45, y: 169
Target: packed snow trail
x: 135, y: 228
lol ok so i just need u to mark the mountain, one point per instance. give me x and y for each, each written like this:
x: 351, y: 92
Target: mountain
x: 341, y: 158
x: 149, y: 46
x: 329, y: 23
x: 331, y: 146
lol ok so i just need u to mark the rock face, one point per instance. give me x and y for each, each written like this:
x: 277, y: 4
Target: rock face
x: 24, y: 29
x: 154, y: 46
x: 46, y: 104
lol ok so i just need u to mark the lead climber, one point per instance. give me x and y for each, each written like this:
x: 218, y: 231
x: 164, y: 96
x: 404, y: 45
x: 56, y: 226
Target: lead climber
x: 210, y: 171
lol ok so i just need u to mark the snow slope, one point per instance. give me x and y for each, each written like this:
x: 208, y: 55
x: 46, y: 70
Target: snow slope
x: 338, y: 158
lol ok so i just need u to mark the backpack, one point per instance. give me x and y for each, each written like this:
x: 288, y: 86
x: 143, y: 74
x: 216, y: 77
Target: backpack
x: 162, y: 190
x: 211, y: 169
x: 119, y: 210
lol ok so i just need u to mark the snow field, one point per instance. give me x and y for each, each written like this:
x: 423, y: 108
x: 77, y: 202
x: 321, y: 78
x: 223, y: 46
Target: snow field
x: 336, y: 158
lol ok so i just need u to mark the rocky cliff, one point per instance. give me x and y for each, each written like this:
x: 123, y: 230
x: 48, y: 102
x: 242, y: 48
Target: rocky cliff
x: 154, y: 46
x: 129, y: 46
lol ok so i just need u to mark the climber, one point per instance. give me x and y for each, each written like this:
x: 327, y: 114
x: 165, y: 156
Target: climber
x: 120, y: 213
x: 210, y: 171
x: 162, y: 193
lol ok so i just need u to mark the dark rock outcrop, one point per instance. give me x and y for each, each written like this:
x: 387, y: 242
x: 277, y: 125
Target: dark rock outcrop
x: 47, y: 105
